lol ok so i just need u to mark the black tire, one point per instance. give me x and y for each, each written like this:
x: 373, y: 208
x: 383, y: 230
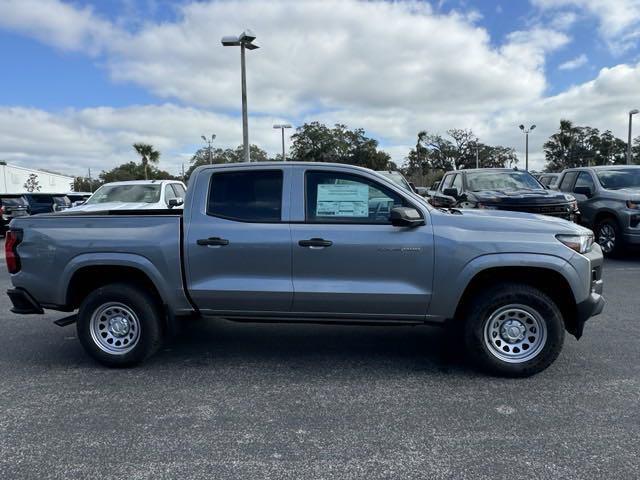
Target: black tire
x: 523, y: 307
x: 603, y: 231
x: 117, y: 301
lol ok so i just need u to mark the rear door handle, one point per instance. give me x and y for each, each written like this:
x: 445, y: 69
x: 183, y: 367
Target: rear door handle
x: 315, y: 243
x: 212, y: 241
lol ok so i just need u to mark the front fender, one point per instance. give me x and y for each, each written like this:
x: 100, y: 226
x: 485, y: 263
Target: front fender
x: 447, y: 296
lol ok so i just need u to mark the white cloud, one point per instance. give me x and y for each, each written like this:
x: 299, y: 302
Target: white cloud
x: 574, y: 63
x: 392, y: 68
x: 619, y: 20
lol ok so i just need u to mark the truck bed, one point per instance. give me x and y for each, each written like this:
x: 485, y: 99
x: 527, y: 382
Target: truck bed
x: 56, y: 246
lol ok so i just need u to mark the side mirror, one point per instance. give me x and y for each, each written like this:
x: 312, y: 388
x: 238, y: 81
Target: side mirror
x: 405, y: 217
x: 451, y: 192
x: 586, y: 191
x: 175, y: 202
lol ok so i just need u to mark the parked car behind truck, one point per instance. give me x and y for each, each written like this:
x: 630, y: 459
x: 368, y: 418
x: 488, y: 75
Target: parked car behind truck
x: 609, y: 201
x: 310, y: 242
x: 502, y: 189
x: 136, y: 195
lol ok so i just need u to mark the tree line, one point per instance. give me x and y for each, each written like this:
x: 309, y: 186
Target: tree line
x: 433, y: 154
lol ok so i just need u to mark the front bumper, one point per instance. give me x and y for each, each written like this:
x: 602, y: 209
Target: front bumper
x: 23, y: 302
x: 595, y: 302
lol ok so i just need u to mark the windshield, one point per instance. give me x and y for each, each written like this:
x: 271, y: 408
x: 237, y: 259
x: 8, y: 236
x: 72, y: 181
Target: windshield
x: 126, y: 194
x: 619, y: 178
x: 477, y: 181
x: 398, y: 179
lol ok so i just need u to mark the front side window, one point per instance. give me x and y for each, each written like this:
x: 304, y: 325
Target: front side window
x: 251, y: 196
x: 457, y: 182
x: 333, y: 197
x: 169, y: 193
x: 446, y: 182
x: 567, y: 181
x: 147, y: 193
x: 585, y: 180
x: 178, y: 190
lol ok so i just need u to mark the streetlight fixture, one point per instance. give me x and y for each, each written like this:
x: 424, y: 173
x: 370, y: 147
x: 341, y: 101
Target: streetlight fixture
x: 631, y: 114
x: 282, y: 126
x: 209, y: 142
x: 526, y: 148
x: 244, y: 41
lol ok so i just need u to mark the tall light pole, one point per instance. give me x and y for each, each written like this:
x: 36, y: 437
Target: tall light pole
x: 282, y: 126
x: 209, y: 142
x: 631, y: 114
x: 244, y: 41
x: 526, y: 143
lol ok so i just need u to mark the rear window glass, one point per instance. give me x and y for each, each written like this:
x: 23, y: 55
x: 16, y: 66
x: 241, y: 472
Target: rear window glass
x: 253, y: 196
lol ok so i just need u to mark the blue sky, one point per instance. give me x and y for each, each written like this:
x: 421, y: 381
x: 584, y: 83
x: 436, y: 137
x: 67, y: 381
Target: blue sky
x: 93, y: 76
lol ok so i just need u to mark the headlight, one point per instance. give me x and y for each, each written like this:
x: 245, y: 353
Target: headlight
x: 487, y: 207
x: 572, y: 201
x: 580, y: 243
x: 633, y: 204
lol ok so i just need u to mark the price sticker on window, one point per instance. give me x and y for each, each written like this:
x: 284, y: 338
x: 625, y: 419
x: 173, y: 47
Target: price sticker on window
x: 342, y: 200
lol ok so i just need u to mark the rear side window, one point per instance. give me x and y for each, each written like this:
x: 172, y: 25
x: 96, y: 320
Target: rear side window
x: 567, y: 181
x: 13, y: 201
x: 254, y: 196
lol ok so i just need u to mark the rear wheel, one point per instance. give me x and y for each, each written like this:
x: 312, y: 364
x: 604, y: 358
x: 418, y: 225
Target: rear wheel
x: 513, y: 330
x: 119, y: 325
x: 608, y: 236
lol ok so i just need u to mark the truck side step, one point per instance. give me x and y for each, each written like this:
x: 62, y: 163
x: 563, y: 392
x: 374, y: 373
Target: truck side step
x: 63, y: 322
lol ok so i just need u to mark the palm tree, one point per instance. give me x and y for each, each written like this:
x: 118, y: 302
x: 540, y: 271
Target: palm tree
x: 148, y: 155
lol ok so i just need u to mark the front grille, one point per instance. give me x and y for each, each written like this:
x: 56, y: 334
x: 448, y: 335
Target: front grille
x: 563, y: 211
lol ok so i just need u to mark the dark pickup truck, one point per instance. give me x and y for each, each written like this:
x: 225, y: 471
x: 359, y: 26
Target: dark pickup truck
x: 503, y: 189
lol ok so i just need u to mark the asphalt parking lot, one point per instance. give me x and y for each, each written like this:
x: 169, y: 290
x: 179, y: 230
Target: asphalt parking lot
x: 232, y: 400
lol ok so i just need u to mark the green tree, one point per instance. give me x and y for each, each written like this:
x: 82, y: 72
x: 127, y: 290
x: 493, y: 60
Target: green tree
x: 576, y: 146
x: 84, y: 184
x: 227, y: 155
x: 134, y: 171
x: 148, y: 155
x: 315, y: 142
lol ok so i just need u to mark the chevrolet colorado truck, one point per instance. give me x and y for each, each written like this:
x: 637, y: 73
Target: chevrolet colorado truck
x: 310, y: 242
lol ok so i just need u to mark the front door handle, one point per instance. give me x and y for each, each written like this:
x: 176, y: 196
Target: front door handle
x: 212, y: 241
x: 315, y: 243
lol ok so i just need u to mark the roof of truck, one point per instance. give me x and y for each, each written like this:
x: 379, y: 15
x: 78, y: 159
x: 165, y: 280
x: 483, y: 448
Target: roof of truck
x: 143, y: 182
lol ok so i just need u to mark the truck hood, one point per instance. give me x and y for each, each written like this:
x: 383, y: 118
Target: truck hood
x: 519, y: 197
x: 101, y: 207
x: 512, y: 222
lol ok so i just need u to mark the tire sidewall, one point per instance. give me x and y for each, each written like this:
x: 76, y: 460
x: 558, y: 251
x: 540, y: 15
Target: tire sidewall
x: 617, y: 246
x: 148, y: 315
x: 487, y: 303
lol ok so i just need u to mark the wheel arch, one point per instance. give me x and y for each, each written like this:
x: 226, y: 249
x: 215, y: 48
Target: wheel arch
x: 548, y: 280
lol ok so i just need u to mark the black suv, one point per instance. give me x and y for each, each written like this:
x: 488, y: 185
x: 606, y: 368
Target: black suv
x: 502, y: 189
x: 11, y: 206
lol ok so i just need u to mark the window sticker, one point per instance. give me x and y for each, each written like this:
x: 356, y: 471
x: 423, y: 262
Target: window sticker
x: 342, y: 200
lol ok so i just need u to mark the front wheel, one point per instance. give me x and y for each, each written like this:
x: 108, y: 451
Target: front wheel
x: 119, y: 325
x: 608, y: 236
x: 513, y: 330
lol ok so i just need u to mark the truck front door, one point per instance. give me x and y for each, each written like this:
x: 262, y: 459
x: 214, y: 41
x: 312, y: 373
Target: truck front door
x: 348, y: 260
x: 237, y: 244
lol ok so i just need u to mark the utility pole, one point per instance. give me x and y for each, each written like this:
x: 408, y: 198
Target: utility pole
x: 282, y: 126
x: 209, y: 142
x: 526, y: 148
x: 244, y: 41
x: 477, y: 158
x: 631, y: 114
x: 90, y: 182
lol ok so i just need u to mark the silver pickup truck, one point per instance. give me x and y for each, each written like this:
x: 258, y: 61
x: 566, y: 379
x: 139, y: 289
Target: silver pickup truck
x: 310, y: 242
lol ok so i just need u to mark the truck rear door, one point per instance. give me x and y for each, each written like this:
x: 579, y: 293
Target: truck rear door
x: 238, y: 241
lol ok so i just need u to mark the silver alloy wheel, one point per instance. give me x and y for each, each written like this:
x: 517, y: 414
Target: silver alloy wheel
x: 115, y: 328
x: 607, y: 237
x: 515, y: 333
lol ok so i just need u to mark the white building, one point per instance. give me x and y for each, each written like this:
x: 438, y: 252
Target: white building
x: 15, y: 179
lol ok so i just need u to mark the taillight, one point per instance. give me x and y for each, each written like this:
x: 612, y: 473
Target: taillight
x: 1, y: 209
x: 11, y: 242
